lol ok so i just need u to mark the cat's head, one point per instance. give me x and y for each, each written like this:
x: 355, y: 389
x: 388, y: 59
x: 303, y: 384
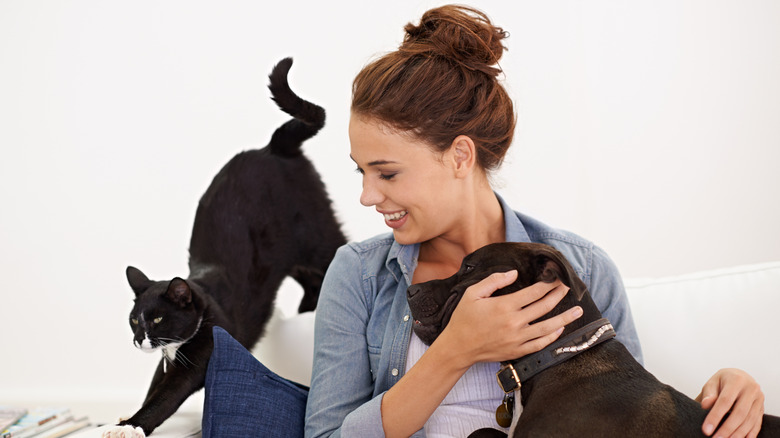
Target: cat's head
x: 165, y: 313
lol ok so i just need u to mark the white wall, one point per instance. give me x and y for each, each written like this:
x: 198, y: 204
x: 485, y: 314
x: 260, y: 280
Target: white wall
x: 650, y: 127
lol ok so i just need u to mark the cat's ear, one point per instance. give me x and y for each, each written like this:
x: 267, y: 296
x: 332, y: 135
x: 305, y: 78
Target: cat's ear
x: 139, y: 282
x: 179, y: 292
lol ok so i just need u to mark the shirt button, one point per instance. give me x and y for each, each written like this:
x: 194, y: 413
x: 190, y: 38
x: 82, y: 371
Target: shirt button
x: 406, y: 318
x: 394, y: 372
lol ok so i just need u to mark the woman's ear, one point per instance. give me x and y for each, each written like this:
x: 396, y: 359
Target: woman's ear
x: 464, y: 155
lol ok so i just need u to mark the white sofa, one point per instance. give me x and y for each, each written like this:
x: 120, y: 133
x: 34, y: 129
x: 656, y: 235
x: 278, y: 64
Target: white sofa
x: 689, y: 327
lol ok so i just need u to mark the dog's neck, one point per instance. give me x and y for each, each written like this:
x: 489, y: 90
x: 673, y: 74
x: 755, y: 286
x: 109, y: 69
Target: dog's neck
x: 514, y: 373
x: 590, y: 312
x: 587, y: 331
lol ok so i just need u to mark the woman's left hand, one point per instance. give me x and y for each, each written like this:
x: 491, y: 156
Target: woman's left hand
x: 732, y: 391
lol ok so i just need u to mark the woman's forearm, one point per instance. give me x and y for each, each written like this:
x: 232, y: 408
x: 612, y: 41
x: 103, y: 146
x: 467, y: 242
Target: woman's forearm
x: 410, y: 402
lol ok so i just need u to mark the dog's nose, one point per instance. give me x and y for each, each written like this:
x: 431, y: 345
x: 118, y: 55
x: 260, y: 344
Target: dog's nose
x: 413, y: 290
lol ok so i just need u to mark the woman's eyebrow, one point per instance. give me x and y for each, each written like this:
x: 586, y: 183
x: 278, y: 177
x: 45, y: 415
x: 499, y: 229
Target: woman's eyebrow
x: 376, y: 162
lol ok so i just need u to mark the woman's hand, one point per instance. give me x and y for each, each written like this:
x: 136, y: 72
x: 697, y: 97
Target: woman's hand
x: 732, y: 390
x: 492, y: 329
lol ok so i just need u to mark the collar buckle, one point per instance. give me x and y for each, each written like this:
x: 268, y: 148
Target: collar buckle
x: 508, y: 379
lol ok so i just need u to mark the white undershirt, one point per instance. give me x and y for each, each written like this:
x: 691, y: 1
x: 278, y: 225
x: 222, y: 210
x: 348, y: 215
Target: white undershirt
x: 470, y: 405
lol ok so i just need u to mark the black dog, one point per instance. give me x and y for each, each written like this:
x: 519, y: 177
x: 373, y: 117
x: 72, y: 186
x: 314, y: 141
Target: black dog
x: 584, y: 384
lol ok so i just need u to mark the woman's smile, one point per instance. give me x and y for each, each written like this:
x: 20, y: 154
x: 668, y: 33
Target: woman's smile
x: 395, y: 220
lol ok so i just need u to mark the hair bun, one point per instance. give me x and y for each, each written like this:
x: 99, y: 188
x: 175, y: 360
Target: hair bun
x: 459, y: 33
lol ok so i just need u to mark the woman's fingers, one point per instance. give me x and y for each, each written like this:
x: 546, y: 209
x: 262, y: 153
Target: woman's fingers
x: 737, y: 393
x: 523, y: 297
x: 493, y: 282
x: 537, y: 292
x: 545, y: 303
x: 544, y: 333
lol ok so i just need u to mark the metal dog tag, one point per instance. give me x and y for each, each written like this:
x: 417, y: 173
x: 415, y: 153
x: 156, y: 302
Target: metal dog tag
x: 504, y: 411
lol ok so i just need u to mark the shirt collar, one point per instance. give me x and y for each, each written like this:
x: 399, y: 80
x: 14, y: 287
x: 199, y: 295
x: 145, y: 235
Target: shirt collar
x: 515, y: 230
x: 403, y: 258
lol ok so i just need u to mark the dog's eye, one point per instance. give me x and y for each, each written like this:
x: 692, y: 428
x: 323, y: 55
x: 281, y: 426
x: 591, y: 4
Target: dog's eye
x: 468, y: 268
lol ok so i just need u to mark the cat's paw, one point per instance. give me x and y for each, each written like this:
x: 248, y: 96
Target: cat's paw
x: 126, y: 431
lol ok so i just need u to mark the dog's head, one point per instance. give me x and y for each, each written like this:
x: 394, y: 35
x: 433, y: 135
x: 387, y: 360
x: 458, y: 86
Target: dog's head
x: 433, y: 302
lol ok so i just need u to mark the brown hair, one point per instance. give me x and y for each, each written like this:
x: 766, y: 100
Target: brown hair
x: 442, y: 82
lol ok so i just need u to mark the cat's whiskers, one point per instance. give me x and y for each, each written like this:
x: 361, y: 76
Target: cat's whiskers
x: 183, y: 359
x: 170, y: 348
x: 167, y: 341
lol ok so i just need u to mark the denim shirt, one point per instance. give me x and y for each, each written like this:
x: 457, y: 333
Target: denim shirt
x: 363, y: 323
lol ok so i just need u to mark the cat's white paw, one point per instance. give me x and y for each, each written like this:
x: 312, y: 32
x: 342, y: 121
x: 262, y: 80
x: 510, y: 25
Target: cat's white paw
x: 124, y: 432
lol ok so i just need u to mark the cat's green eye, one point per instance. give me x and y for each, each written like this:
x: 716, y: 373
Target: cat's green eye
x: 157, y: 320
x: 134, y: 321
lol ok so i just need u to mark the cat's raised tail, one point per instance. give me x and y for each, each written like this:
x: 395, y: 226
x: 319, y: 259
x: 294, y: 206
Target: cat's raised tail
x: 308, y: 117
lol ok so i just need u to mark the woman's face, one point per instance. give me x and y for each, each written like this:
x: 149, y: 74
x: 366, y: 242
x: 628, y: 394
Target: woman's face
x: 405, y: 180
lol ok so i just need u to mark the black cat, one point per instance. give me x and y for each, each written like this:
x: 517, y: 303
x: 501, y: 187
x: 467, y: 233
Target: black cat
x: 265, y: 216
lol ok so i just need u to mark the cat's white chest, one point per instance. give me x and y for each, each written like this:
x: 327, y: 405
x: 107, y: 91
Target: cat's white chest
x: 169, y: 354
x: 169, y: 351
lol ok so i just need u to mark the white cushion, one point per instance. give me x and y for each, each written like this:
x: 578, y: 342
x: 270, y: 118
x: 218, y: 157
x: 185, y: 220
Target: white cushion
x: 692, y: 325
x: 288, y: 346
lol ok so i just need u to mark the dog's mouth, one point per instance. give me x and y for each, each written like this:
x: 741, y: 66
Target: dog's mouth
x: 434, y: 319
x: 428, y: 309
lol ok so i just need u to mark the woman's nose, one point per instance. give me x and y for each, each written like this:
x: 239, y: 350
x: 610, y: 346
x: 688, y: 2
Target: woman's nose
x: 370, y: 195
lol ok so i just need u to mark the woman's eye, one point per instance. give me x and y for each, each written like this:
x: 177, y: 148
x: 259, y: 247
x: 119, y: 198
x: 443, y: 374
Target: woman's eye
x: 157, y: 320
x: 386, y: 176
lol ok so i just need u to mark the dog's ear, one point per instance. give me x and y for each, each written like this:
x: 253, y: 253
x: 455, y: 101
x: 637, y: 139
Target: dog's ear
x: 554, y: 265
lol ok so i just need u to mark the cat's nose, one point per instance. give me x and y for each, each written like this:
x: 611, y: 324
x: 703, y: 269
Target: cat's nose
x: 138, y: 340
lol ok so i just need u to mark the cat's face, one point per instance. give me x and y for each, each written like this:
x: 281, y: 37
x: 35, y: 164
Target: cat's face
x: 164, y: 315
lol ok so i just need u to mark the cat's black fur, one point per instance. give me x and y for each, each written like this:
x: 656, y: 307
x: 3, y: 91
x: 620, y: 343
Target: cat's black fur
x: 265, y: 216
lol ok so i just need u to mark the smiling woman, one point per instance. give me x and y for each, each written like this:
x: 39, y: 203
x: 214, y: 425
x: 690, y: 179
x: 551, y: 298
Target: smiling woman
x: 429, y: 123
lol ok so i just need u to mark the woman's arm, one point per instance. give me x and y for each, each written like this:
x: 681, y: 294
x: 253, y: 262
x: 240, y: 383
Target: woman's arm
x: 341, y: 383
x: 470, y: 337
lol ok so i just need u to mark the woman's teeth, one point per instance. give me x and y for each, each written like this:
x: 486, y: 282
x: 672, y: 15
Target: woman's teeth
x: 395, y: 216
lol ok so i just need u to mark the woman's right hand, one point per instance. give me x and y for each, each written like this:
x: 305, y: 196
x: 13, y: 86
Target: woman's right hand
x: 492, y: 329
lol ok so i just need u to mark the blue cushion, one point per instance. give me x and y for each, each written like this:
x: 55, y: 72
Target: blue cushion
x: 244, y: 398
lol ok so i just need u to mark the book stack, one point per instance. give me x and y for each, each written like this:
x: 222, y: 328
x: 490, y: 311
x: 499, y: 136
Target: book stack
x: 39, y: 422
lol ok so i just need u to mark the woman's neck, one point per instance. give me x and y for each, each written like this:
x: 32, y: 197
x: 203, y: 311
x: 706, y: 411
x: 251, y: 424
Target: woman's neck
x: 478, y: 226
